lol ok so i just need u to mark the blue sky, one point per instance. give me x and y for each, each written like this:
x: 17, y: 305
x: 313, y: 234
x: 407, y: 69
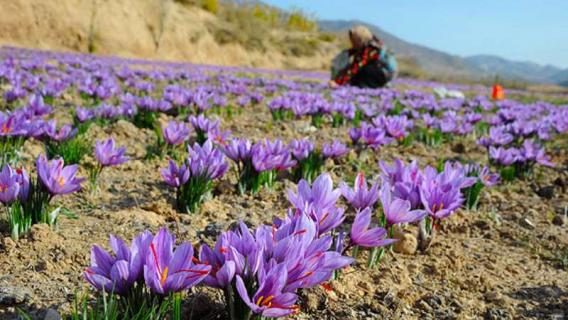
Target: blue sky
x: 524, y: 30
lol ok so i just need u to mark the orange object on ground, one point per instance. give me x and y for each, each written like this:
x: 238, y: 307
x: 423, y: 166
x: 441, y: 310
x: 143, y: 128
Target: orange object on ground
x: 498, y: 93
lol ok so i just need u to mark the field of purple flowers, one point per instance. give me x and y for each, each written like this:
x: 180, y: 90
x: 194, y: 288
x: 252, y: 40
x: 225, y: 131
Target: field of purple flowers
x: 136, y: 189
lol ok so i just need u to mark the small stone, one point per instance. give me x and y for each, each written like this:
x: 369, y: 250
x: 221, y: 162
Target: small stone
x: 497, y: 314
x: 527, y: 223
x: 493, y: 296
x: 11, y: 295
x: 8, y: 243
x: 546, y: 192
x: 52, y: 315
x: 458, y: 148
x: 406, y: 244
x: 424, y: 306
x: 558, y: 220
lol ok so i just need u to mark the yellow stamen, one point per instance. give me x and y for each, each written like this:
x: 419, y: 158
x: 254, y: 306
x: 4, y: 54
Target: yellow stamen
x: 259, y: 301
x: 164, y: 276
x: 268, y: 302
x: 61, y: 181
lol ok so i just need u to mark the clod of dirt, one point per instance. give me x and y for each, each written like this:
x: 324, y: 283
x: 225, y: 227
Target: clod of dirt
x: 52, y: 315
x: 526, y: 223
x: 559, y: 220
x: 407, y: 243
x: 497, y: 314
x: 12, y: 295
x: 458, y: 148
x: 546, y: 192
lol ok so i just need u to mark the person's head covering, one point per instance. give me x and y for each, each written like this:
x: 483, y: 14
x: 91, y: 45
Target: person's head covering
x: 361, y: 33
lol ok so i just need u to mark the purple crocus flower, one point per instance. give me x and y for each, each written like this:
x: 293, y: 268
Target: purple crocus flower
x: 9, y: 186
x: 355, y: 135
x: 222, y: 270
x: 204, y: 124
x: 362, y: 236
x: 270, y: 300
x: 505, y: 156
x: 531, y: 151
x: 360, y: 197
x: 320, y: 195
x: 175, y: 176
x: 440, y: 201
x: 118, y: 273
x: 175, y: 133
x: 57, y: 178
x: 23, y: 180
x: 108, y: 155
x: 84, y: 114
x: 65, y: 133
x: 374, y: 137
x: 301, y: 148
x: 334, y: 150
x: 397, y: 210
x: 454, y: 174
x: 238, y: 149
x: 206, y: 161
x: 267, y: 155
x: 168, y: 270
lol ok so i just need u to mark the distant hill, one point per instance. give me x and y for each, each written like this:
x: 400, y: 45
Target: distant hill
x: 490, y: 64
x: 439, y: 62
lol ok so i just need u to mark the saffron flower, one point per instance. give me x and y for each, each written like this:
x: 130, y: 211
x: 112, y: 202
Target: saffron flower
x: 9, y: 186
x: 360, y: 197
x: 175, y: 133
x: 320, y: 195
x: 169, y: 270
x: 397, y: 210
x: 175, y: 176
x: 108, y: 155
x: 58, y: 178
x: 440, y: 201
x: 269, y: 300
x: 362, y: 235
x: 334, y: 150
x: 193, y: 179
x: 120, y: 272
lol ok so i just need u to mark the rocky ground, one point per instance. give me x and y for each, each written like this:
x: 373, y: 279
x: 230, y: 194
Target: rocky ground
x: 507, y: 260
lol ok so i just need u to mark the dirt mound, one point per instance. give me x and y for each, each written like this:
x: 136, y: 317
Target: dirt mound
x: 162, y: 29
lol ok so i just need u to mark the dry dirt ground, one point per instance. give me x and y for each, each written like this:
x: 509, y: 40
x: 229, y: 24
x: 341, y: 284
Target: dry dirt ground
x: 507, y: 260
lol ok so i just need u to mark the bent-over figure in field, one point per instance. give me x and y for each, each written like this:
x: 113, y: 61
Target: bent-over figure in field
x: 368, y: 64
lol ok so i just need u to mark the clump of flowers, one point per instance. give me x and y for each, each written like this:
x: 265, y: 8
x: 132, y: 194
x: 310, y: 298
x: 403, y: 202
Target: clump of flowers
x: 171, y: 139
x: 437, y: 195
x: 106, y: 155
x: 260, y: 272
x: 65, y: 143
x: 27, y: 201
x: 259, y: 163
x: 206, y: 128
x: 369, y: 136
x: 193, y: 179
x: 518, y: 162
x: 12, y: 137
x: 360, y: 196
x: 484, y: 179
x: 148, y: 276
x: 310, y: 160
